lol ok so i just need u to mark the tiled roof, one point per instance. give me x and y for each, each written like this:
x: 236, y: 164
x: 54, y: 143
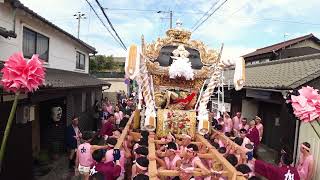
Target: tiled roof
x: 276, y: 47
x: 288, y: 73
x: 66, y: 79
x: 56, y: 78
x: 26, y: 9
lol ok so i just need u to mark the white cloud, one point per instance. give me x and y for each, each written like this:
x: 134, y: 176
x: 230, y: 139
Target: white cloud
x: 233, y: 24
x: 232, y: 52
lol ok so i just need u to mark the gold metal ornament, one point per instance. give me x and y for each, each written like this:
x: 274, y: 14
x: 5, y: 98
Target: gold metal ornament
x: 176, y: 37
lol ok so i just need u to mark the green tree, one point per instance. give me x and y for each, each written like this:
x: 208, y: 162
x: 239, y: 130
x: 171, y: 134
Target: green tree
x: 101, y: 62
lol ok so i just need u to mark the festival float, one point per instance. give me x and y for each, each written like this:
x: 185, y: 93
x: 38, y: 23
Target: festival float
x: 171, y: 73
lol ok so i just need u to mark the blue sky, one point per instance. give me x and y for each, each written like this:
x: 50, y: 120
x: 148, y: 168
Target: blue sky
x: 242, y: 25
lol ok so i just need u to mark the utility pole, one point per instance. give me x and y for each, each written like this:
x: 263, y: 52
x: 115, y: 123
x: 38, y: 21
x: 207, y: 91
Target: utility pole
x: 284, y: 40
x: 79, y: 16
x: 170, y: 18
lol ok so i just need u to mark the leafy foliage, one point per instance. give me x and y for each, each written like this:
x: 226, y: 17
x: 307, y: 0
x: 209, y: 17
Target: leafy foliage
x: 102, y: 63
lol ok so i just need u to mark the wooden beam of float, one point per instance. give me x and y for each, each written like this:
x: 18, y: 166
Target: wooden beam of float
x: 172, y: 173
x: 162, y: 142
x: 152, y: 169
x: 225, y: 139
x: 231, y: 171
x: 124, y: 133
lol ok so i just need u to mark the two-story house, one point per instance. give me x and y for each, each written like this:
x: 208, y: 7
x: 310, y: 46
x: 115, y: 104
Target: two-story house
x: 68, y: 85
x: 271, y: 72
x: 304, y: 45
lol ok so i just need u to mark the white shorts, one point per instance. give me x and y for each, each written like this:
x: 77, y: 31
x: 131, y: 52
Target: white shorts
x: 83, y: 169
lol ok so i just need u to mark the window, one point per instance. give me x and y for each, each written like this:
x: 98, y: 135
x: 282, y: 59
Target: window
x: 264, y: 60
x: 80, y: 64
x: 35, y: 43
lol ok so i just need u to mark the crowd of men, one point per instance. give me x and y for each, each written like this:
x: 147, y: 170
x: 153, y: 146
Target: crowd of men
x: 248, y: 134
x: 93, y: 155
x: 90, y: 150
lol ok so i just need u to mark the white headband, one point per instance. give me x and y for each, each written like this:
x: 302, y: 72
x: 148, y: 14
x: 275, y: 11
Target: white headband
x: 190, y: 149
x: 305, y: 147
x: 110, y: 145
x: 141, y: 167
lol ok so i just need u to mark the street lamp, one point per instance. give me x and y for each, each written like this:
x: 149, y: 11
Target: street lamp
x: 79, y: 16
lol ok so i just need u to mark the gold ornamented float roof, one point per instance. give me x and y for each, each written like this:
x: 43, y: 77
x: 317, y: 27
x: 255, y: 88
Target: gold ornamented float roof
x: 176, y: 37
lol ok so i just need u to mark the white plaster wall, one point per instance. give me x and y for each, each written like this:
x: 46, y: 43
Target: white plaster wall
x: 249, y: 108
x: 62, y: 49
x: 8, y: 46
x: 307, y: 134
x: 117, y: 84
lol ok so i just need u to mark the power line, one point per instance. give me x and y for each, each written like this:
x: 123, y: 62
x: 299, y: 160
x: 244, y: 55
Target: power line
x: 95, y: 12
x: 130, y: 9
x: 284, y: 21
x: 105, y: 15
x: 151, y: 10
x: 277, y: 20
x: 206, y: 13
x: 269, y: 19
x: 210, y: 15
x: 234, y: 12
x: 89, y: 21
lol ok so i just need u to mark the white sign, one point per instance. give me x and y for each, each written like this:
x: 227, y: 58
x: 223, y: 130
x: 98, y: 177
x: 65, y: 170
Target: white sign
x: 32, y: 113
x: 226, y: 107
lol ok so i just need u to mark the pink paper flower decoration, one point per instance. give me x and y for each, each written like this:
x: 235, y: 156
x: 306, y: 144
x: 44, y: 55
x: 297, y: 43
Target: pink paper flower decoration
x: 306, y: 106
x: 22, y: 75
